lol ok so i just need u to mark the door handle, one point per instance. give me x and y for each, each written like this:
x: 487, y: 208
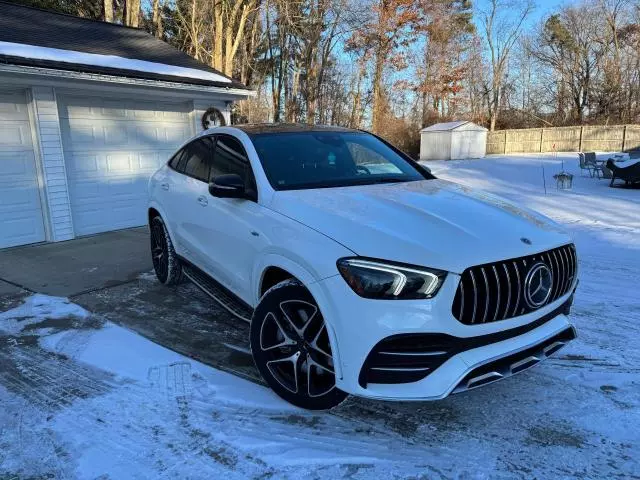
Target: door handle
x: 164, y: 186
x: 202, y: 200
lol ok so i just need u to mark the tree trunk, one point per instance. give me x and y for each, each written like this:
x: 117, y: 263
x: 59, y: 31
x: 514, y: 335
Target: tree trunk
x: 132, y: 13
x: 108, y: 10
x: 218, y: 35
x: 157, y: 19
x: 378, y: 94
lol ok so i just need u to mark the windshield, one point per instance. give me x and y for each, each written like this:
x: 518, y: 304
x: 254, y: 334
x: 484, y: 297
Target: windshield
x: 302, y: 160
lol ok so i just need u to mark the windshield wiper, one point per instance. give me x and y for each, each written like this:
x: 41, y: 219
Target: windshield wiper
x: 389, y: 180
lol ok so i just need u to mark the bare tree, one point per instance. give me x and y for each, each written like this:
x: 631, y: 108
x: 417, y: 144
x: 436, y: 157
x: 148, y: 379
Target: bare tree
x: 502, y: 22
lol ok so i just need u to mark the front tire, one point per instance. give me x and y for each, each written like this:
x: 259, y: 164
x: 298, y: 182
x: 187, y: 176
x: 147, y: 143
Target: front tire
x: 166, y: 263
x: 290, y: 347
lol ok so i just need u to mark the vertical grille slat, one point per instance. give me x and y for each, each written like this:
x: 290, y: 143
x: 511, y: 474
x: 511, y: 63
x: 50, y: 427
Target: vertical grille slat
x: 556, y: 292
x: 496, y: 290
x: 563, y: 273
x: 495, y: 273
x: 487, y: 295
x: 568, y: 272
x: 506, y: 309
x: 554, y: 274
x: 475, y: 297
x: 518, y: 290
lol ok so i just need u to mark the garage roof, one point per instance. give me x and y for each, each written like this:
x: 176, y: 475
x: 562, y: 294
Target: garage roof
x: 448, y: 126
x: 34, y: 37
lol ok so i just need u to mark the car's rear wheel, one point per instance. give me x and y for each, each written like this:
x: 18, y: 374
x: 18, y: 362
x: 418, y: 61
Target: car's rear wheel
x: 165, y: 260
x: 291, y: 348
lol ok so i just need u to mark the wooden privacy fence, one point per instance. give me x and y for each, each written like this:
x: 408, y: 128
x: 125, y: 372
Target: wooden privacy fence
x: 586, y: 138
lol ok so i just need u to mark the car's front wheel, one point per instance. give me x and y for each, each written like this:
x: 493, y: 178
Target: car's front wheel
x: 290, y: 346
x: 165, y: 260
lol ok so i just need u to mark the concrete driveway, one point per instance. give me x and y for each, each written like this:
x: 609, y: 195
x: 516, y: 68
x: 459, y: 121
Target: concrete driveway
x: 111, y: 275
x: 77, y: 266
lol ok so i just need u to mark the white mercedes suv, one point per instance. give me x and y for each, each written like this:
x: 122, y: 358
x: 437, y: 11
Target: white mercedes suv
x: 359, y: 271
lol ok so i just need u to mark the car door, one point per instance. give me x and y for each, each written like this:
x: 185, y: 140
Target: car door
x: 231, y: 237
x: 188, y: 198
x: 168, y: 183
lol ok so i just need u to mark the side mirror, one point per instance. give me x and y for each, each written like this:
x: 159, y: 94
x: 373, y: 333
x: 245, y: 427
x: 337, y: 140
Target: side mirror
x: 228, y: 186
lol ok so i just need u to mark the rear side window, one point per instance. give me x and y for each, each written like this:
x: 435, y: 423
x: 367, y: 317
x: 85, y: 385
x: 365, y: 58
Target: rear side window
x: 229, y: 157
x: 175, y: 161
x: 195, y: 159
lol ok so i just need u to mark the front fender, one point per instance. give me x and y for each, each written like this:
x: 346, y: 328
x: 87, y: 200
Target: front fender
x: 311, y: 283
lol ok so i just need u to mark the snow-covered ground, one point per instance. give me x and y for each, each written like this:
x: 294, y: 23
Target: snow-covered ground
x: 84, y: 398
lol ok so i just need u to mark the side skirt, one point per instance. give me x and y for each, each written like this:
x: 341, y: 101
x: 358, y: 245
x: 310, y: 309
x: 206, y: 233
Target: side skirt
x: 227, y: 299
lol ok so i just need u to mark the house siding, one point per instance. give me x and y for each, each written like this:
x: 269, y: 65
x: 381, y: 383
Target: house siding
x: 52, y: 156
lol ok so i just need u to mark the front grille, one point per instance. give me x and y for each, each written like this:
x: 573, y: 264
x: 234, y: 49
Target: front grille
x: 496, y: 291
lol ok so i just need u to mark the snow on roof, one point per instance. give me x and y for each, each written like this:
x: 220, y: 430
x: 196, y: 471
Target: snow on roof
x: 447, y: 126
x: 109, y: 61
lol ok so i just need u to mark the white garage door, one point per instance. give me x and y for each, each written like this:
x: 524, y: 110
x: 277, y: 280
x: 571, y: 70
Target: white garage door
x: 20, y: 209
x: 111, y: 148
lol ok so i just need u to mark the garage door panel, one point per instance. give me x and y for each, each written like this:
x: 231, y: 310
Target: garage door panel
x: 20, y: 209
x: 19, y: 197
x: 112, y: 148
x: 16, y: 164
x: 21, y: 230
x: 15, y: 134
x: 13, y: 106
x: 96, y: 109
x: 115, y: 135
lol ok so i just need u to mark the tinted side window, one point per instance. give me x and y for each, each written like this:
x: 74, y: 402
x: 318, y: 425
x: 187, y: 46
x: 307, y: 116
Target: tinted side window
x: 173, y: 163
x: 229, y: 157
x: 197, y: 160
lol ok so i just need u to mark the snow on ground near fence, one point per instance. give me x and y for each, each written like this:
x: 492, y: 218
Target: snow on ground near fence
x: 82, y: 398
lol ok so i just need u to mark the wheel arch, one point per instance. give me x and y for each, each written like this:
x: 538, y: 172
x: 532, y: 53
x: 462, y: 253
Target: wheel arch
x: 154, y: 209
x: 286, y: 266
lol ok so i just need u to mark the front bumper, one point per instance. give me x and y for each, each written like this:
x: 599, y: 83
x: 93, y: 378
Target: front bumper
x: 370, y: 338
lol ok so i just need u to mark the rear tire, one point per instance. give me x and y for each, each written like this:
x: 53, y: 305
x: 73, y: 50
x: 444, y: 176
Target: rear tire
x: 291, y: 349
x: 166, y: 263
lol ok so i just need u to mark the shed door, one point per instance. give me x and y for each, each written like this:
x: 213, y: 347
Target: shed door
x: 21, y: 219
x: 111, y: 148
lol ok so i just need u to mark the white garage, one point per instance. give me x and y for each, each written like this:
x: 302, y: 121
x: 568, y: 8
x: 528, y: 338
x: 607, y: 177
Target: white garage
x: 111, y: 149
x: 87, y: 114
x: 453, y: 141
x: 20, y: 206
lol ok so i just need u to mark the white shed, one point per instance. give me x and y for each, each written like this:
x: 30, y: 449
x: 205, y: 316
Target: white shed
x: 453, y: 141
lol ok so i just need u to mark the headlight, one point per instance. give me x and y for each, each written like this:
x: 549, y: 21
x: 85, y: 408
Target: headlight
x: 390, y: 281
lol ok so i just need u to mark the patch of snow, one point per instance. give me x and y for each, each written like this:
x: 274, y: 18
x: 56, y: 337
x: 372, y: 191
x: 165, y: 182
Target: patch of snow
x: 149, y: 276
x: 37, y: 308
x: 171, y: 416
x: 109, y: 61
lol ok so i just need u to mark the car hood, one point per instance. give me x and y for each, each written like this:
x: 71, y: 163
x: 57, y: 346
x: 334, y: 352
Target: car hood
x: 433, y: 223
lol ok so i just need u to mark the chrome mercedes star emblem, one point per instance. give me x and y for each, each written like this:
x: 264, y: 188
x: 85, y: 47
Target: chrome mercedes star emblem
x: 537, y: 285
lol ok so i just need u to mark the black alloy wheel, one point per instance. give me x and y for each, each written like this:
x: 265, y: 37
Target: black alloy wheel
x: 291, y: 347
x: 165, y: 260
